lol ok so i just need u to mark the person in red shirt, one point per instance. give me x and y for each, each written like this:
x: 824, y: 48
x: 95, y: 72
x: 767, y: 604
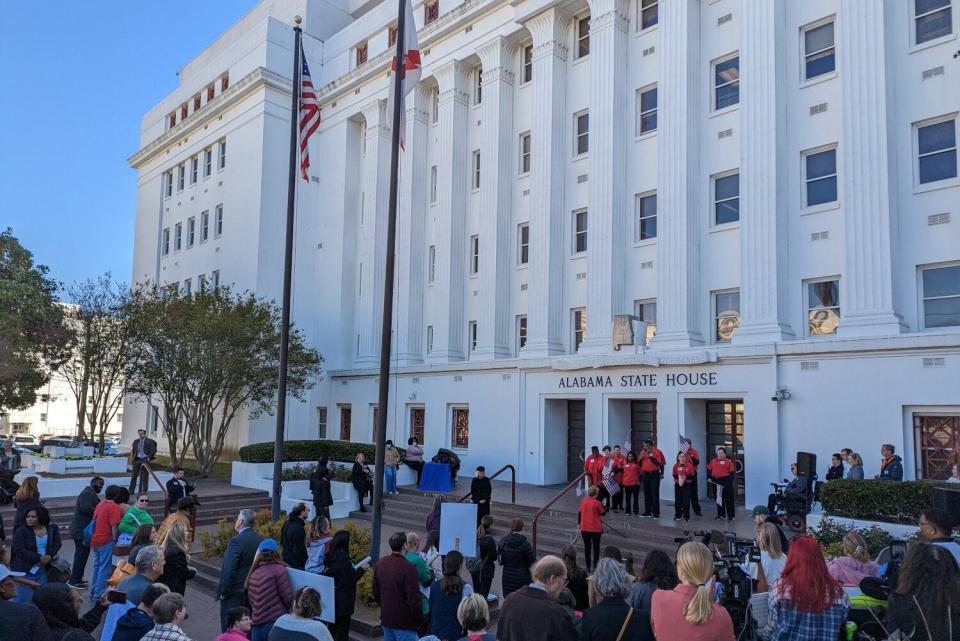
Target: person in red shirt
x: 651, y: 464
x: 591, y: 526
x: 694, y: 457
x: 721, y: 471
x: 618, y: 462
x: 106, y: 517
x: 605, y: 470
x: 683, y: 478
x: 631, y: 484
x: 592, y: 466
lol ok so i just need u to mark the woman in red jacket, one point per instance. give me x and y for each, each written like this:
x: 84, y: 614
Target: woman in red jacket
x: 721, y: 471
x: 268, y: 590
x: 631, y: 485
x: 591, y: 526
x: 683, y: 477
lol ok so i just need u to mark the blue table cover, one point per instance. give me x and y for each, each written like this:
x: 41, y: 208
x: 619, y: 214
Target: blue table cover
x: 435, y: 478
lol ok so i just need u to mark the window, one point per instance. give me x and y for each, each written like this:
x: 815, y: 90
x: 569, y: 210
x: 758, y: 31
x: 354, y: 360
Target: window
x: 726, y: 198
x: 168, y: 184
x: 172, y: 122
x: 646, y: 311
x: 204, y: 226
x: 431, y: 11
x: 477, y: 86
x: 181, y: 174
x: 207, y: 162
x: 937, y: 151
x: 433, y: 185
x: 726, y: 82
x: 321, y: 422
x: 217, y: 221
x: 527, y: 72
x: 582, y: 127
x: 194, y: 165
x: 474, y: 254
x: 165, y: 242
x: 933, y: 19
x: 941, y: 296
x: 361, y: 54
x: 187, y: 286
x: 196, y: 102
x: 224, y: 83
x: 523, y: 244
x: 435, y: 106
x: 417, y: 422
x: 177, y: 236
x: 216, y: 278
x: 460, y: 417
x: 819, y: 54
x: 191, y: 231
x: 823, y: 307
x: 583, y: 37
x: 579, y: 231
x: 521, y: 332
x: 346, y: 418
x: 202, y: 283
x: 525, y: 153
x: 648, y: 13
x: 646, y: 110
x: 579, y: 327
x: 429, y: 338
x: 431, y: 263
x: 222, y: 154
x: 820, y: 177
x: 471, y: 337
x: 646, y: 216
x: 726, y: 306
x: 475, y: 174
x: 392, y: 35
x: 211, y: 90
x: 184, y: 111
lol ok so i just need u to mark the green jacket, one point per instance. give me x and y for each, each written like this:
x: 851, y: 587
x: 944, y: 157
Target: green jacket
x: 134, y: 518
x: 423, y: 574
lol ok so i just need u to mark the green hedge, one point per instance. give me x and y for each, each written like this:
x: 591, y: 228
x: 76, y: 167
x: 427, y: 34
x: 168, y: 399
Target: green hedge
x: 311, y: 451
x: 875, y: 500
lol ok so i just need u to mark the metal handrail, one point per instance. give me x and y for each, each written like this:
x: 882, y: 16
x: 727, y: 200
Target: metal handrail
x: 163, y: 488
x: 513, y: 483
x: 536, y: 517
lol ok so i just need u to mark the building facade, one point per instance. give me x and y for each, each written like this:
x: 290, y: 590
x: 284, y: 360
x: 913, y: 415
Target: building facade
x: 730, y: 220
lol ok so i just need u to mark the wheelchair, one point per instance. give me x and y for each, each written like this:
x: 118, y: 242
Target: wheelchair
x: 793, y: 508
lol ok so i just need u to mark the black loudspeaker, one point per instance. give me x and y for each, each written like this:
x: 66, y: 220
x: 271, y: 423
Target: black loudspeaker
x: 948, y: 500
x: 807, y: 464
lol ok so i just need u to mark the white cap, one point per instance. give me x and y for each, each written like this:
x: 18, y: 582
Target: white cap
x: 5, y: 573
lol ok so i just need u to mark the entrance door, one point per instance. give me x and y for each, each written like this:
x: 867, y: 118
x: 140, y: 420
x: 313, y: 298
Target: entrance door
x: 643, y: 423
x: 938, y: 444
x: 576, y: 437
x: 725, y: 429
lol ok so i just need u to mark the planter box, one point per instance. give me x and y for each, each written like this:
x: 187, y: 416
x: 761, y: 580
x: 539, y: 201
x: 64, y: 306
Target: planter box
x: 896, y: 530
x: 61, y: 452
x: 96, y: 466
x: 54, y: 487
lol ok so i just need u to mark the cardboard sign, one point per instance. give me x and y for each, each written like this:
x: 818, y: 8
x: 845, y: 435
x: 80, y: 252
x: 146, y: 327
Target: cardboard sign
x: 458, y: 528
x: 322, y: 584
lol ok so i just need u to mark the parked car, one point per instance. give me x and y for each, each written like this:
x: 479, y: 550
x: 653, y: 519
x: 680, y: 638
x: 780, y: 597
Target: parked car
x: 27, y: 441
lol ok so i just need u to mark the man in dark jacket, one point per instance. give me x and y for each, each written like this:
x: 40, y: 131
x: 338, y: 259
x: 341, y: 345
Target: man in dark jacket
x: 142, y: 451
x: 532, y: 611
x: 320, y: 488
x: 82, y: 515
x: 236, y: 565
x: 480, y: 493
x: 177, y: 488
x: 293, y: 537
x: 135, y: 623
x: 21, y: 621
x: 396, y: 590
x: 891, y: 467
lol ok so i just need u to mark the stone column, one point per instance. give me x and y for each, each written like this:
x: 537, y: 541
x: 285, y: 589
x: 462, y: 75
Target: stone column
x: 373, y: 232
x: 452, y: 182
x: 607, y: 181
x: 548, y: 158
x: 496, y: 172
x: 867, y: 182
x: 411, y: 229
x: 764, y: 177
x: 678, y: 175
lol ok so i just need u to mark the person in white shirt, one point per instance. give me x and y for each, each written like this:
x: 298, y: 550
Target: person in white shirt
x: 772, y: 558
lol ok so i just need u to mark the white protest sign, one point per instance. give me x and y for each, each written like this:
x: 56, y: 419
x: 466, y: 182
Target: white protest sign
x: 322, y: 584
x: 458, y: 528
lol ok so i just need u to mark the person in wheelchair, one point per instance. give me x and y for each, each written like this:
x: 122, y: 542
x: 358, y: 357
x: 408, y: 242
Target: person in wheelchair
x: 794, y: 498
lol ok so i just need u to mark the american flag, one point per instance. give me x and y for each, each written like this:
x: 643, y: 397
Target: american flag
x: 411, y: 70
x: 611, y: 485
x: 309, y: 114
x: 627, y: 447
x: 684, y: 444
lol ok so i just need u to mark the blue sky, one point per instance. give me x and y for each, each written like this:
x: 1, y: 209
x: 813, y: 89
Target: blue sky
x: 81, y: 75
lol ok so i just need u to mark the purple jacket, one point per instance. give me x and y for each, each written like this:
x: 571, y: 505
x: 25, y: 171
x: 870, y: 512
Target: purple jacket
x: 850, y: 571
x: 270, y: 593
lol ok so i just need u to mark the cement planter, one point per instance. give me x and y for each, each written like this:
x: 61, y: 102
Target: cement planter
x: 896, y: 530
x: 99, y: 465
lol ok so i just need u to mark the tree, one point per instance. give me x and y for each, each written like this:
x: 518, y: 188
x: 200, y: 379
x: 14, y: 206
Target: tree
x: 210, y: 356
x: 103, y: 352
x: 34, y: 339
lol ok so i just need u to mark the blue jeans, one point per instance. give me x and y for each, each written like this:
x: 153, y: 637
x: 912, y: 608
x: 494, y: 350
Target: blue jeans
x: 390, y: 634
x: 25, y: 594
x: 102, y: 563
x: 390, y: 478
x: 262, y: 632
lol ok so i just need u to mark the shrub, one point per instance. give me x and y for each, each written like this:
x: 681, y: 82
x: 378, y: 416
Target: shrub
x: 303, y: 472
x: 896, y: 502
x: 311, y: 451
x: 829, y: 534
x: 359, y: 549
x: 214, y: 544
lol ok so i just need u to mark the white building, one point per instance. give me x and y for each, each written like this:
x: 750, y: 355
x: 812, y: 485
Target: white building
x: 54, y: 413
x: 771, y: 186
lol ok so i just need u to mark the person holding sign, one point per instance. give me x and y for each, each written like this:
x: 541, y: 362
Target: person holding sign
x: 480, y: 493
x: 651, y: 465
x: 720, y: 471
x: 683, y: 475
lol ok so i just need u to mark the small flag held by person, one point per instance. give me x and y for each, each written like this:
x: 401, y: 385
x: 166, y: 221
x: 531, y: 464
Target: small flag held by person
x: 627, y: 446
x: 684, y: 444
x: 309, y: 114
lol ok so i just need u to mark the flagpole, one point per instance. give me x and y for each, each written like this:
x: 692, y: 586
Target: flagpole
x: 287, y: 272
x: 387, y: 328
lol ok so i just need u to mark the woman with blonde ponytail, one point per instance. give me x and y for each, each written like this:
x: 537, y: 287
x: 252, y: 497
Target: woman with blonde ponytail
x: 855, y: 564
x: 687, y: 613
